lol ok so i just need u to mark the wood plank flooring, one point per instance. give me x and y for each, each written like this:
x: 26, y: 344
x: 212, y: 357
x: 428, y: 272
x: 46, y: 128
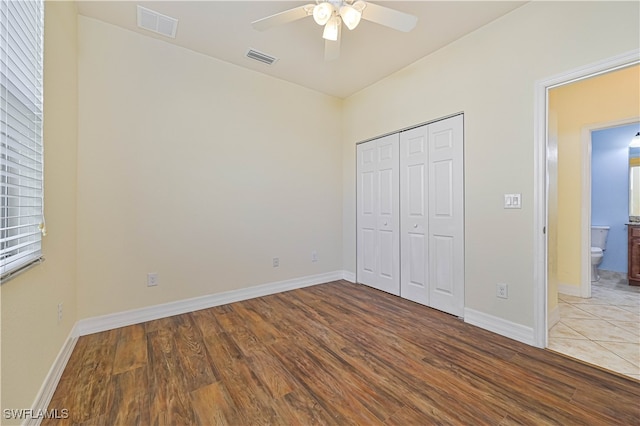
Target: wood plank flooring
x: 337, y: 354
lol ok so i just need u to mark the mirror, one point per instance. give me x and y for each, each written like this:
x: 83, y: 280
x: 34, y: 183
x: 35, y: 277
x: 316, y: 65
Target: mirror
x: 634, y: 184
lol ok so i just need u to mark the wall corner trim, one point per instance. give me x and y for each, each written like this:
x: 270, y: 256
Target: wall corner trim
x: 500, y: 326
x: 44, y: 395
x: 554, y: 317
x: 349, y: 276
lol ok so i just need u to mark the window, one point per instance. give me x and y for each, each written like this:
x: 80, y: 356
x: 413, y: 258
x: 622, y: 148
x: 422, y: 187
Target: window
x: 21, y: 163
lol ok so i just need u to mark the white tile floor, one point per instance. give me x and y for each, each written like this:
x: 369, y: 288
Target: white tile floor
x: 603, y: 330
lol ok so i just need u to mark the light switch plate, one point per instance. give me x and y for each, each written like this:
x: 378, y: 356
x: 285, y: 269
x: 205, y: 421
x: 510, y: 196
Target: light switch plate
x: 512, y: 201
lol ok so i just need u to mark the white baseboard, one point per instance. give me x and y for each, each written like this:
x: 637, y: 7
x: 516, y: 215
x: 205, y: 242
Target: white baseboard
x: 500, y: 326
x: 569, y: 290
x: 553, y: 316
x: 43, y: 398
x: 149, y: 313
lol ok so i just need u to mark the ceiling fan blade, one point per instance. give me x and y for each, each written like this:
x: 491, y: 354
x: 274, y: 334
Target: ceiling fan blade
x: 332, y: 48
x: 389, y: 17
x: 283, y: 17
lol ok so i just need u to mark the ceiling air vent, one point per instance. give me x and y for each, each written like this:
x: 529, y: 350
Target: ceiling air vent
x: 156, y: 22
x: 259, y: 56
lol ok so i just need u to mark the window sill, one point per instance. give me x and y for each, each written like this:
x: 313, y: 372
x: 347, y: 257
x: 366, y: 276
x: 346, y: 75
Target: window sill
x: 12, y: 274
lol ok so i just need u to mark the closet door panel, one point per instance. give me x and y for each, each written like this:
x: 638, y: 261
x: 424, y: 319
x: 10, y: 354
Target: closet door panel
x: 387, y: 255
x: 366, y: 234
x: 388, y: 243
x: 417, y: 260
x: 368, y: 252
x: 378, y: 251
x: 443, y: 256
x: 442, y: 182
x: 414, y: 219
x: 446, y: 216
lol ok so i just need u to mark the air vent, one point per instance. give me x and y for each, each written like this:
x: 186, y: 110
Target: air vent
x: 153, y: 21
x: 259, y: 56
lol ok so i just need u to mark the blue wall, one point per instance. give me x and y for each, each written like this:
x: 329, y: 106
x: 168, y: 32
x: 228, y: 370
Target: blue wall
x: 610, y: 190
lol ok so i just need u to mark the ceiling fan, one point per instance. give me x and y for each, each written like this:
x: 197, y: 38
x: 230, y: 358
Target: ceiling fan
x: 332, y: 13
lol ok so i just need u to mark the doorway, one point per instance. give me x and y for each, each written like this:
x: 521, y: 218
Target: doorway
x: 606, y: 195
x: 600, y: 326
x: 553, y: 221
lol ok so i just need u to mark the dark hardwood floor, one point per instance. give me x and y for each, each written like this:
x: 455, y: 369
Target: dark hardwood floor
x: 336, y: 353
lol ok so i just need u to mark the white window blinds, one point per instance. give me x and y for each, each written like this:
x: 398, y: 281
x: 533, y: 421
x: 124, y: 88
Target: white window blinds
x: 21, y: 164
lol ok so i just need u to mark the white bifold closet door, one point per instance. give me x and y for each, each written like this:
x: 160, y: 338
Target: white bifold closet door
x: 431, y: 220
x: 378, y: 239
x: 414, y: 208
x: 446, y: 216
x: 431, y: 217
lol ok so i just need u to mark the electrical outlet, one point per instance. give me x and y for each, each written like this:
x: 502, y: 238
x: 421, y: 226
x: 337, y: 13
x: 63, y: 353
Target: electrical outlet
x: 276, y: 262
x: 152, y: 279
x: 314, y: 256
x: 502, y: 291
x: 60, y: 305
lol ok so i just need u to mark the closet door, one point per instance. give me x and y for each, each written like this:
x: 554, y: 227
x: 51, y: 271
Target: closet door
x: 378, y: 247
x: 446, y: 215
x: 414, y: 244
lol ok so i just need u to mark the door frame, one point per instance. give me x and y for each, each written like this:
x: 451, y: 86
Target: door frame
x: 585, y: 147
x: 540, y: 190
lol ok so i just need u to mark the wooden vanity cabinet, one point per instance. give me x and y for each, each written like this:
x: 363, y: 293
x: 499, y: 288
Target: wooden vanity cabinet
x: 634, y: 254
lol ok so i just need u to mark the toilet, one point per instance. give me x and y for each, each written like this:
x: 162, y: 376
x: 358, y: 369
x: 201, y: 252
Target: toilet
x: 598, y: 244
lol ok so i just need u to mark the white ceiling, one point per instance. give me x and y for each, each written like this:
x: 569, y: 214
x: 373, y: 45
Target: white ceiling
x: 222, y: 29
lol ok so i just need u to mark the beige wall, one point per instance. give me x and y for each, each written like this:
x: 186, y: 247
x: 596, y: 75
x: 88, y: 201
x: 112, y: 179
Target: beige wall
x: 600, y: 100
x: 490, y: 76
x: 31, y: 334
x: 197, y: 170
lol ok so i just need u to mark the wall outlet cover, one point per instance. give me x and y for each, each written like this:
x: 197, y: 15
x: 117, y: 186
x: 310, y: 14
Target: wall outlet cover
x: 502, y: 291
x: 152, y: 279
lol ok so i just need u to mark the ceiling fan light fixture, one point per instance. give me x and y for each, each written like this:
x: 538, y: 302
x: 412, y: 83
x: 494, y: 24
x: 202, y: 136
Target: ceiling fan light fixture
x: 330, y: 14
x: 332, y: 28
x: 359, y: 5
x: 350, y: 16
x: 322, y: 13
